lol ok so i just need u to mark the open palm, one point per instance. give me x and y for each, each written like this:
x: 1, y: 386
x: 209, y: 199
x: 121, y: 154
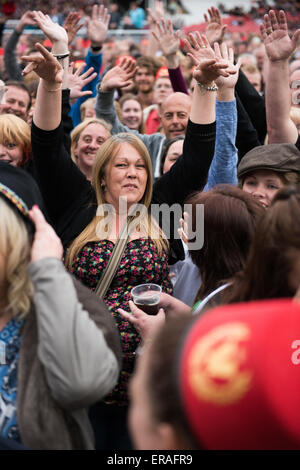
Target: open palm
x: 276, y: 39
x: 120, y: 75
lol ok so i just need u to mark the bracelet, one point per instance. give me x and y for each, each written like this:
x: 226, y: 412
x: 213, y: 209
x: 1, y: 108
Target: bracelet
x: 61, y: 56
x: 51, y: 91
x: 208, y: 88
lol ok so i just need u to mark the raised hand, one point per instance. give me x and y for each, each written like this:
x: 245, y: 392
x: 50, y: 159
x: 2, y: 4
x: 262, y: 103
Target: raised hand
x: 168, y: 40
x: 77, y: 80
x: 119, y: 76
x: 26, y: 19
x: 225, y: 54
x: 215, y: 29
x: 157, y: 14
x: 71, y: 25
x: 44, y: 65
x: 97, y: 26
x: 46, y: 243
x: 53, y: 31
x: 276, y: 39
x: 208, y: 68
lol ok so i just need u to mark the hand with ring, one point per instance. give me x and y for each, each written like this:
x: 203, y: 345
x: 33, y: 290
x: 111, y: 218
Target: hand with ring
x: 276, y: 38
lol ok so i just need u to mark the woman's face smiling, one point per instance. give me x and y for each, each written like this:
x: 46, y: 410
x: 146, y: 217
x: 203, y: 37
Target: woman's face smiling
x: 125, y: 176
x: 11, y: 153
x: 263, y: 185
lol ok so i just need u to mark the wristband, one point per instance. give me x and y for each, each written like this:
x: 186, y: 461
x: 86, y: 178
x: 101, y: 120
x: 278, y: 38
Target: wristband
x: 208, y: 88
x: 96, y: 48
x: 61, y: 56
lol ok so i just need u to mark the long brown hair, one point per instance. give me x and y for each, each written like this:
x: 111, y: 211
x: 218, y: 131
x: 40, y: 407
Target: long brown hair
x: 230, y: 218
x: 274, y: 251
x: 105, y: 153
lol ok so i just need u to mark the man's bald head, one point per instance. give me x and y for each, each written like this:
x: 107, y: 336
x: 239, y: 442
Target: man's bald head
x: 175, y: 112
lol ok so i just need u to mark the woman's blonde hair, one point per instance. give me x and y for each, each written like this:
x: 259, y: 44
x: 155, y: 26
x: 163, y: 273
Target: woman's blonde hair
x: 147, y: 224
x: 89, y: 103
x: 13, y: 130
x: 15, y: 248
x: 76, y: 132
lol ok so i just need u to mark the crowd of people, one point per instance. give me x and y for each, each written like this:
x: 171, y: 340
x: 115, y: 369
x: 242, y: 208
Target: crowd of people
x: 173, y: 162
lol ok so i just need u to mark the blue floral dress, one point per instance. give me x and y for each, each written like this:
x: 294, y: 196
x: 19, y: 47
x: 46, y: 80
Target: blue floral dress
x: 140, y: 264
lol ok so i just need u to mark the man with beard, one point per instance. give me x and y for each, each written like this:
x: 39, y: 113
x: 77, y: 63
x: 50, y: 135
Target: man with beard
x: 145, y: 79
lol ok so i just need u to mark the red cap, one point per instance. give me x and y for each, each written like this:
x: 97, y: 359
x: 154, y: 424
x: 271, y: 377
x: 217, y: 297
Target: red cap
x: 239, y: 376
x: 162, y: 72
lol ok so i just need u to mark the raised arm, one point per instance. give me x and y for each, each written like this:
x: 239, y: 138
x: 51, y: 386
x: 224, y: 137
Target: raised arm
x: 279, y: 48
x: 61, y: 182
x: 12, y: 66
x: 169, y: 43
x: 189, y: 173
x: 96, y: 27
x: 223, y: 168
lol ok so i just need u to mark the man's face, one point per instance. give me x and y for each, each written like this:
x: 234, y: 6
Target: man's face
x: 16, y: 102
x: 295, y: 88
x: 174, y: 114
x: 254, y: 79
x: 162, y: 89
x: 144, y: 80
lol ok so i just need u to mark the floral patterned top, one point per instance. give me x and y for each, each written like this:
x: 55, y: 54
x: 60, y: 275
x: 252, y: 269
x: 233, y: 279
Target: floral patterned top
x: 140, y: 264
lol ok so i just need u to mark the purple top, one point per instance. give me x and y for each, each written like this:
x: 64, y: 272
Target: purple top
x: 177, y: 80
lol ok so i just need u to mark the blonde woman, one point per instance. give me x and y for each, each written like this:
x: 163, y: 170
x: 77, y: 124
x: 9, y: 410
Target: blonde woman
x: 51, y: 327
x: 86, y: 138
x: 121, y: 171
x: 15, y: 147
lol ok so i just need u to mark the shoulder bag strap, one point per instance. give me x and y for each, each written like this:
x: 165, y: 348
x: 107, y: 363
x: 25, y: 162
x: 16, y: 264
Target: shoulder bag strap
x: 114, y: 260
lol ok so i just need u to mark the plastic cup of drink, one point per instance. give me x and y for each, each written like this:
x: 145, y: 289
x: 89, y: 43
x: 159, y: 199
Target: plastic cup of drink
x: 147, y: 297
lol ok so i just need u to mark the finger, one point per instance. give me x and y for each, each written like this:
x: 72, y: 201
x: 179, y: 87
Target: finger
x: 224, y: 51
x: 164, y: 26
x: 170, y: 24
x: 267, y: 22
x: 296, y: 38
x: 135, y: 311
x: 127, y: 83
x: 29, y: 68
x: 282, y: 20
x: 217, y: 50
x: 263, y: 32
x: 44, y: 52
x: 239, y: 63
x: 194, y: 42
x: 94, y: 12
x: 79, y: 70
x: 37, y: 218
x: 128, y: 316
x: 87, y: 73
x: 205, y: 40
x: 86, y: 93
x: 274, y: 22
x: 206, y: 18
x: 231, y: 55
x: 89, y: 79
